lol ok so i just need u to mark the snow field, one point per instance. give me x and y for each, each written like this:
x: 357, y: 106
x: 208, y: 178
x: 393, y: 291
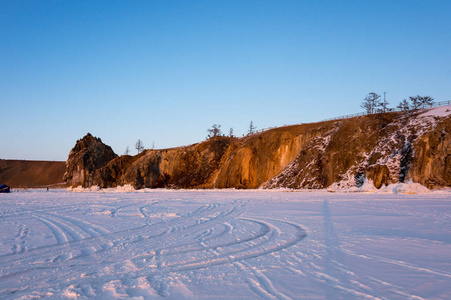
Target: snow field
x: 152, y: 244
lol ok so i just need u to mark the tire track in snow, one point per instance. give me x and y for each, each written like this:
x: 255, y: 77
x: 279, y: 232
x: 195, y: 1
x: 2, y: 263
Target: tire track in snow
x: 174, y: 237
x: 68, y: 229
x: 211, y: 223
x: 394, y: 289
x: 338, y: 279
x: 269, y: 245
x: 174, y: 251
x: 64, y: 245
x: 399, y: 263
x: 123, y: 243
x: 258, y: 251
x: 58, y: 233
x: 315, y: 273
x: 91, y: 229
x: 262, y: 285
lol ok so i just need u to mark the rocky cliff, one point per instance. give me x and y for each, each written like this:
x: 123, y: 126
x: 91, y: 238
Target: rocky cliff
x: 384, y: 148
x: 88, y: 156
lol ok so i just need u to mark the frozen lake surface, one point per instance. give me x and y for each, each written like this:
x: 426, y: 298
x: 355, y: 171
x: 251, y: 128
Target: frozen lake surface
x: 154, y: 244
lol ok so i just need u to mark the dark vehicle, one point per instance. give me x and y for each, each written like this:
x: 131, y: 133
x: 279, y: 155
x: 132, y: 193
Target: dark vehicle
x: 4, y: 188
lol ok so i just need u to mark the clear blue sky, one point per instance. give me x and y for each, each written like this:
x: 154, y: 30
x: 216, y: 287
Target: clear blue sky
x: 165, y: 71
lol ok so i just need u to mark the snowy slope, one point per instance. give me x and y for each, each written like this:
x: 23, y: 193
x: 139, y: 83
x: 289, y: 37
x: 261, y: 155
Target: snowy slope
x: 441, y: 111
x: 152, y: 244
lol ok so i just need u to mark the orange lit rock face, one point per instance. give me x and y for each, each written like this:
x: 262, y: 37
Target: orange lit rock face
x: 385, y: 149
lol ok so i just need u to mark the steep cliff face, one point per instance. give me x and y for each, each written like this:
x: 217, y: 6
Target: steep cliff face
x: 88, y: 155
x: 431, y: 158
x: 111, y: 174
x: 384, y: 148
x: 183, y: 167
x: 253, y: 160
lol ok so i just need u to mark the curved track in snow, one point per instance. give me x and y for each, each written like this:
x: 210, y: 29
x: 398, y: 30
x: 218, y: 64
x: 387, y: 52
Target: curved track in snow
x: 230, y: 244
x: 84, y: 253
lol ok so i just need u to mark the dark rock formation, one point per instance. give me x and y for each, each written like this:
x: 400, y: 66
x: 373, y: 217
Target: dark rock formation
x: 88, y: 155
x: 111, y: 174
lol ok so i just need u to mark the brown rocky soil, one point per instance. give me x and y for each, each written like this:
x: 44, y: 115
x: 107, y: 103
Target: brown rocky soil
x: 32, y: 174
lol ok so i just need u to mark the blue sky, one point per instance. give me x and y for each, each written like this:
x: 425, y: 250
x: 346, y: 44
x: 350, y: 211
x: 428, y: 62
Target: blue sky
x: 166, y: 71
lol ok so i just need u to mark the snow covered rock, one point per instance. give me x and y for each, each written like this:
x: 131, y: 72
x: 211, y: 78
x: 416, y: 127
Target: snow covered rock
x: 385, y: 149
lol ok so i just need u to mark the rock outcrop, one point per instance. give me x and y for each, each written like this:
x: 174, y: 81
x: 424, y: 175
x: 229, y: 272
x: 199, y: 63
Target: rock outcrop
x: 88, y: 156
x: 183, y: 167
x: 431, y: 160
x: 384, y: 148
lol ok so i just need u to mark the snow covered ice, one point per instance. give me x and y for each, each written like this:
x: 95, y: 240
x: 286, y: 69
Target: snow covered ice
x: 266, y: 244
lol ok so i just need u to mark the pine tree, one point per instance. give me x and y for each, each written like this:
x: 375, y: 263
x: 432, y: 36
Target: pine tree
x: 251, y: 128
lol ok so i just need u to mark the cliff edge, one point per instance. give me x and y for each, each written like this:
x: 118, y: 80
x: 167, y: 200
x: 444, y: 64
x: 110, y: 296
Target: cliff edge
x: 384, y: 148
